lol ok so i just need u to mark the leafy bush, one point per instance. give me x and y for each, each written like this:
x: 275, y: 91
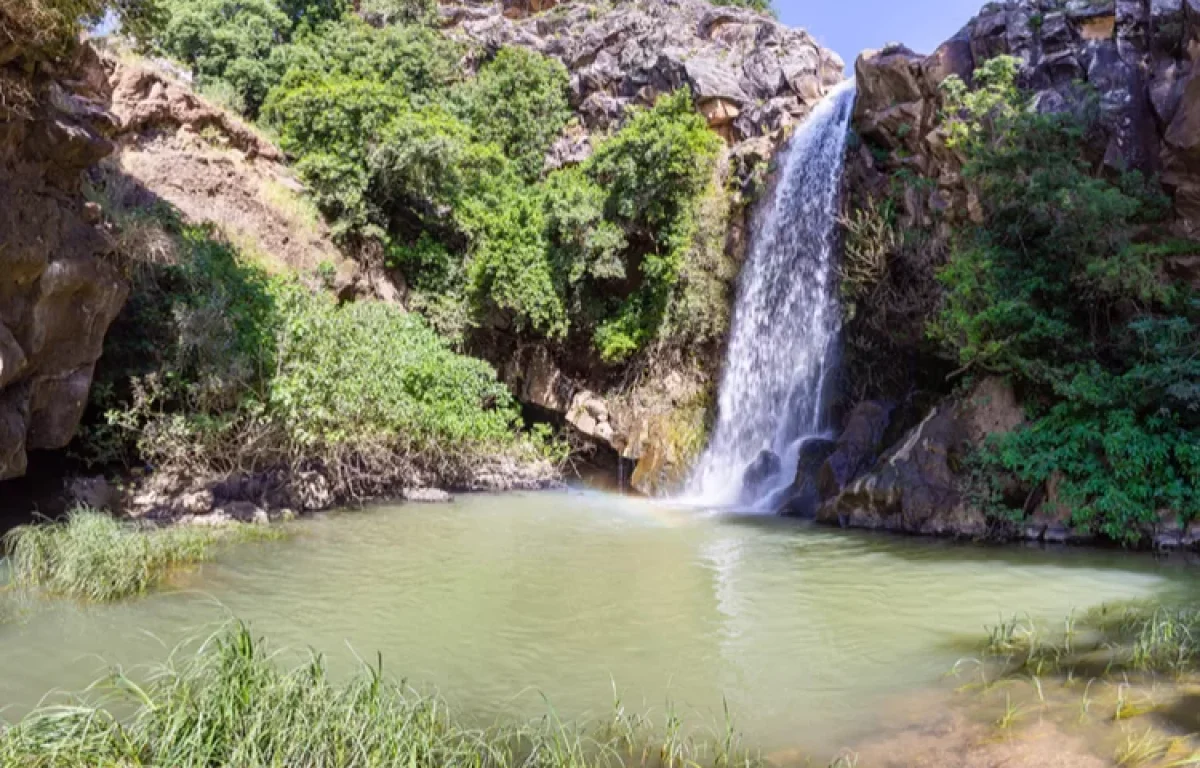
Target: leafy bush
x: 518, y: 102
x: 655, y: 170
x: 366, y: 371
x: 1059, y: 287
x: 228, y: 369
x: 415, y: 61
x: 422, y: 12
x: 228, y: 40
x: 762, y: 6
x: 328, y: 125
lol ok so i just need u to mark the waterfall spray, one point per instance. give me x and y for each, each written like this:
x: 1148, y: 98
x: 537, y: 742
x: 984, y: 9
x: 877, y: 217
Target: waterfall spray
x: 782, y: 350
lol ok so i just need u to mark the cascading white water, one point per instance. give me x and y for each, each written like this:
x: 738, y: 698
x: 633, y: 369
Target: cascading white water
x: 786, y: 320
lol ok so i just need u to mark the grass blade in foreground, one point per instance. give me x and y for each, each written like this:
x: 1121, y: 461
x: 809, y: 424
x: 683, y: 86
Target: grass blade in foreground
x: 231, y: 704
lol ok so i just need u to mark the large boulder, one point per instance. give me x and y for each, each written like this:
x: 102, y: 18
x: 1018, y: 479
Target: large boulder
x: 805, y: 496
x: 765, y: 467
x: 916, y: 487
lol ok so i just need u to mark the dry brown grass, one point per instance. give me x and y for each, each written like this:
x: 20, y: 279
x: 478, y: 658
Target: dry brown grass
x: 43, y: 25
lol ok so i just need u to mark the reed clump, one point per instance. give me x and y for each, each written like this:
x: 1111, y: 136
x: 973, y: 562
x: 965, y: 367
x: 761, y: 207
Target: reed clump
x: 92, y: 556
x: 1142, y: 637
x: 230, y: 703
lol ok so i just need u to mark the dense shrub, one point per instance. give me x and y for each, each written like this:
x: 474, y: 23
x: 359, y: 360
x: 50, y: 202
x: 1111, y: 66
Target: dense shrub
x: 415, y: 61
x: 327, y: 125
x: 518, y: 102
x: 762, y: 6
x: 1059, y: 288
x: 229, y: 369
x: 228, y: 41
x: 654, y: 170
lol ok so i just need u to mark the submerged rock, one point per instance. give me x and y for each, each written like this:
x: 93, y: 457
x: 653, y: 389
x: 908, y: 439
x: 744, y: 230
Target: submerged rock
x: 765, y: 466
x: 426, y: 495
x: 806, y: 495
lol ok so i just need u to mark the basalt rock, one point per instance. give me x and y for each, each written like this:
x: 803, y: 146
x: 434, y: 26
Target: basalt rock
x: 750, y: 74
x: 806, y: 494
x: 856, y: 449
x: 918, y: 486
x: 58, y: 295
x: 1138, y: 59
x: 764, y: 467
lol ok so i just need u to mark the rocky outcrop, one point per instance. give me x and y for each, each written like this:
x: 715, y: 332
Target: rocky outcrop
x: 175, y: 147
x: 750, y: 74
x: 147, y: 101
x: 918, y: 485
x: 1135, y: 67
x: 1139, y: 59
x: 657, y: 426
x: 58, y: 294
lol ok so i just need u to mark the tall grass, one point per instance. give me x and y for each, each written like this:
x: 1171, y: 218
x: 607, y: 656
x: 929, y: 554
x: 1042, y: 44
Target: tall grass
x: 92, y: 556
x: 1139, y: 637
x: 231, y: 704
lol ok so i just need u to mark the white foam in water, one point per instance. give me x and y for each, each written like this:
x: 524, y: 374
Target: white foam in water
x: 782, y: 351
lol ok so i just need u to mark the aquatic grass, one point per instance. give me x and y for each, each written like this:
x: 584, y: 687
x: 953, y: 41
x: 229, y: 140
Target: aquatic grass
x: 95, y: 557
x: 228, y: 702
x: 1140, y: 749
x: 1140, y: 637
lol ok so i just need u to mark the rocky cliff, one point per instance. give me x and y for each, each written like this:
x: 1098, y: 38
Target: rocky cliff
x: 751, y: 76
x: 1133, y: 66
x: 753, y: 79
x: 58, y: 295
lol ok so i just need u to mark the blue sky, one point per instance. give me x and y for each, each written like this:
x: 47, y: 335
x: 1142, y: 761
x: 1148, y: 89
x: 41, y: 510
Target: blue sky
x: 849, y: 26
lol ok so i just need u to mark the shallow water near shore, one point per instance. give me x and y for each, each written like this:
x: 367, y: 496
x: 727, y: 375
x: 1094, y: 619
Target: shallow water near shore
x: 499, y: 601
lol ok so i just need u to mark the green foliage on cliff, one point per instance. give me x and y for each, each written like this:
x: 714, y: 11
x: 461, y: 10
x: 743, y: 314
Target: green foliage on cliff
x: 228, y: 41
x: 1059, y: 288
x: 441, y: 170
x: 762, y: 6
x: 216, y: 366
x: 447, y: 177
x: 518, y: 102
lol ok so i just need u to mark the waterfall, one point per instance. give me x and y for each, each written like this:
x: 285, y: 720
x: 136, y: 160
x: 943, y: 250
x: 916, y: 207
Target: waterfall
x: 783, y: 345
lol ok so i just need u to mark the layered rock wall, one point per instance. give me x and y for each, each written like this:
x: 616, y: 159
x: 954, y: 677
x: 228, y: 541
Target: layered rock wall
x: 1133, y: 68
x: 58, y: 295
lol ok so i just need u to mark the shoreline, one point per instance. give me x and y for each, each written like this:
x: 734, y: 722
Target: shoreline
x: 280, y: 495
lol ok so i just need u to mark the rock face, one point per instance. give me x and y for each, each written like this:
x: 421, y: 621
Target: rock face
x: 750, y: 74
x: 1138, y: 63
x: 657, y: 427
x: 916, y: 486
x: 752, y: 78
x: 1138, y: 58
x: 57, y: 294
